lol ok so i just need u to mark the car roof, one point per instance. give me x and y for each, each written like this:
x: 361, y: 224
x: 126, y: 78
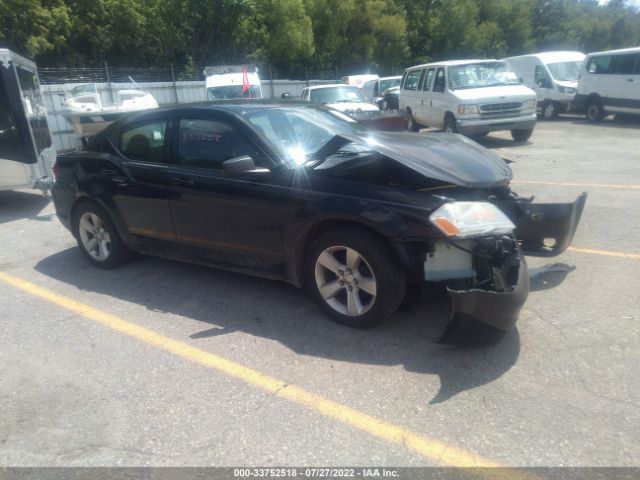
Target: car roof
x: 448, y: 63
x: 550, y: 57
x: 331, y: 85
x: 235, y: 105
x: 621, y: 50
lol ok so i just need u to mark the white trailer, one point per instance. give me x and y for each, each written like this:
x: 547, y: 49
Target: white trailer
x: 26, y: 155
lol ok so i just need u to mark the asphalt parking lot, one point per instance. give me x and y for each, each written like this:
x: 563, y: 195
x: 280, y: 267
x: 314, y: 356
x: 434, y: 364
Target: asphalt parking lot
x: 230, y: 370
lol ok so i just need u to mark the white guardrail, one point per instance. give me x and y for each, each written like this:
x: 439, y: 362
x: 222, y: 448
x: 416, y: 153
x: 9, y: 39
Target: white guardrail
x: 166, y: 93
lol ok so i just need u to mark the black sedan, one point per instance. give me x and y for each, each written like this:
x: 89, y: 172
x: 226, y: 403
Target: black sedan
x: 308, y: 195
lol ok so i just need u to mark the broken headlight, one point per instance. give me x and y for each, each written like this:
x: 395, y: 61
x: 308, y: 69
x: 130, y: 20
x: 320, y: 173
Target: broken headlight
x: 471, y: 219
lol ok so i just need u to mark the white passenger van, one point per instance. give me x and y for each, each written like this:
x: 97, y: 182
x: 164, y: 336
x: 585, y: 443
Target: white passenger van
x: 473, y: 97
x: 552, y: 75
x: 609, y: 83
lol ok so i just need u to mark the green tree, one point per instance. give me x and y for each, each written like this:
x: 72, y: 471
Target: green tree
x: 33, y: 27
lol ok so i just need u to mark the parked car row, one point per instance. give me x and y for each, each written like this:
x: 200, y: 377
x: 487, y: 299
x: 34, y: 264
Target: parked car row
x: 475, y: 97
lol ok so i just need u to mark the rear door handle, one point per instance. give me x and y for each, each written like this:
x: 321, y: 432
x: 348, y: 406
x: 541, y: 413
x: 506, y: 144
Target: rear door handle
x: 182, y: 181
x: 629, y: 79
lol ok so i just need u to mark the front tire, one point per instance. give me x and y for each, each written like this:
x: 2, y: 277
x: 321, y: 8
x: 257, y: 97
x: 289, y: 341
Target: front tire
x: 550, y: 111
x: 97, y: 237
x: 521, y: 135
x: 450, y: 125
x: 355, y: 277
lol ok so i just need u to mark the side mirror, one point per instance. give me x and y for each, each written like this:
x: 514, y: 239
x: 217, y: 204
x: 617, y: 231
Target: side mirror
x: 242, y: 165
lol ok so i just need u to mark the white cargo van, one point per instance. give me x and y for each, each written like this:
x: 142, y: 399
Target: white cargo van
x: 233, y: 81
x: 552, y: 75
x: 473, y: 97
x: 609, y: 83
x: 26, y: 155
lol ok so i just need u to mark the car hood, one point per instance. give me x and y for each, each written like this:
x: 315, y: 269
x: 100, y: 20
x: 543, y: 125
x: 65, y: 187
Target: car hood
x: 497, y: 94
x: 354, y: 106
x: 450, y: 158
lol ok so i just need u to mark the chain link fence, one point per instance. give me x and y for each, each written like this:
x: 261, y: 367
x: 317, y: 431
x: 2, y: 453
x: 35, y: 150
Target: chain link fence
x: 109, y: 74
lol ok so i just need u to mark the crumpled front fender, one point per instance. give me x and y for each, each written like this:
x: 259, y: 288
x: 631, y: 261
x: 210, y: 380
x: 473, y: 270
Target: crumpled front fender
x: 547, y: 229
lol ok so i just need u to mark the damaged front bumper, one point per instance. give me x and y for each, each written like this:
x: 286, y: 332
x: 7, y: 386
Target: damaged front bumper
x: 487, y: 278
x: 498, y: 309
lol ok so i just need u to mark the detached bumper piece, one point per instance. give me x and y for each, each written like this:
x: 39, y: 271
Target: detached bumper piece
x: 498, y: 290
x: 547, y: 229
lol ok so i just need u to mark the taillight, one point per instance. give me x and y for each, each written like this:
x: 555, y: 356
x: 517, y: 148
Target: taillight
x: 56, y: 170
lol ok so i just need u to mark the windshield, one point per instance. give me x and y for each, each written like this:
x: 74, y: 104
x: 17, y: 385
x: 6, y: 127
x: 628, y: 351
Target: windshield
x: 298, y: 132
x: 390, y: 83
x: 336, y: 95
x: 480, y: 75
x: 228, y: 92
x: 565, y: 71
x: 83, y: 90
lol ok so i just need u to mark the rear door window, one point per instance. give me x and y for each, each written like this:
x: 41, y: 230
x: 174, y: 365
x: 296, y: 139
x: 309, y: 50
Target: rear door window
x: 428, y: 79
x: 145, y: 141
x: 624, y: 64
x: 421, y: 79
x: 439, y: 83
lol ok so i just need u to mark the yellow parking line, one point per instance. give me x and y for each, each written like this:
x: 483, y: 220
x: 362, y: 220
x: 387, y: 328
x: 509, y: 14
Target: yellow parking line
x: 570, y: 184
x: 607, y: 253
x: 435, y: 450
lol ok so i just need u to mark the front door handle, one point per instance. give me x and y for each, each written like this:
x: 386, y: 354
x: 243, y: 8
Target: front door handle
x: 182, y: 181
x: 629, y: 79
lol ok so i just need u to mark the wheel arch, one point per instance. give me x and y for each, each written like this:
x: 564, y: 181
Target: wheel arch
x: 117, y: 220
x: 300, y: 247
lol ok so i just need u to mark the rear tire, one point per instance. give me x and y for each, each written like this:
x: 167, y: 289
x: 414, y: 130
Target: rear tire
x: 595, y: 111
x: 521, y: 135
x: 97, y: 237
x: 355, y: 277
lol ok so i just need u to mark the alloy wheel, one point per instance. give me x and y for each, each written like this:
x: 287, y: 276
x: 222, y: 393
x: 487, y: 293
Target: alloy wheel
x: 345, y: 280
x: 95, y: 238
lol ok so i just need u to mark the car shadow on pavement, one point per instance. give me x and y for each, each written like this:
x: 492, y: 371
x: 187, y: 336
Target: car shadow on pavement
x: 15, y: 205
x: 228, y: 302
x: 617, y: 121
x: 548, y: 276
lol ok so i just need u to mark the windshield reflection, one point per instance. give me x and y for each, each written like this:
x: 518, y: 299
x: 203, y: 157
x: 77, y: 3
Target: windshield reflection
x: 296, y: 133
